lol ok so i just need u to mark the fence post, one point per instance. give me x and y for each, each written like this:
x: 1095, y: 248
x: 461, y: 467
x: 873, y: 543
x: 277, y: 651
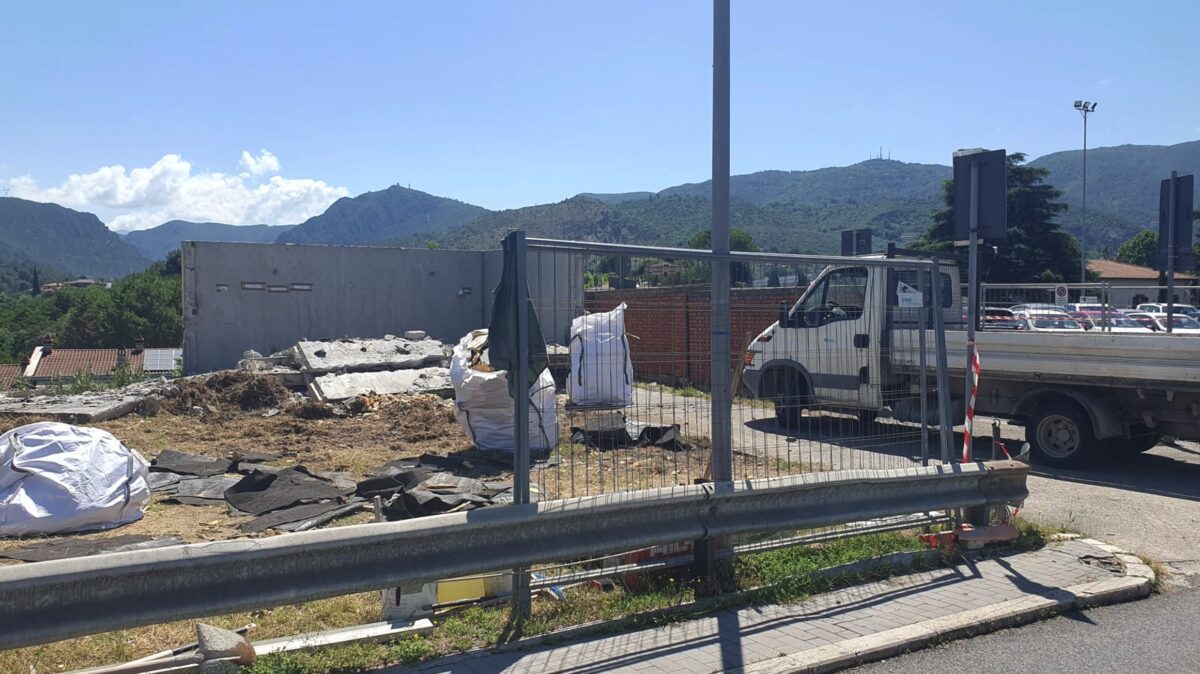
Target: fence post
x: 520, y: 582
x: 945, y: 424
x: 926, y: 300
x: 721, y: 362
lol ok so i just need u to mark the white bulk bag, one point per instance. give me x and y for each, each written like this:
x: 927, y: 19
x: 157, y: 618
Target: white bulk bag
x: 58, y: 478
x: 601, y: 369
x: 485, y: 409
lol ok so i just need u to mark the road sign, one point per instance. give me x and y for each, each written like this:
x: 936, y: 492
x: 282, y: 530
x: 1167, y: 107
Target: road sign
x: 992, y: 194
x: 1060, y: 294
x: 856, y: 241
x: 1185, y: 258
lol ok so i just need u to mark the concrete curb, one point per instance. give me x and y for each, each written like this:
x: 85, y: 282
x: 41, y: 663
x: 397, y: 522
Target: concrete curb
x: 1136, y: 583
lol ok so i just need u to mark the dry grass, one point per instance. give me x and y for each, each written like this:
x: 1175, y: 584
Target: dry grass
x: 125, y: 645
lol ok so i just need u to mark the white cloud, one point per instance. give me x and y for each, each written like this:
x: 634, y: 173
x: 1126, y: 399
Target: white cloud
x: 168, y: 190
x: 265, y: 162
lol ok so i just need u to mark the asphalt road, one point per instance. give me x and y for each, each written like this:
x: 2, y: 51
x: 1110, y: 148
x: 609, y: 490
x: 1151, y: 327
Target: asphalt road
x: 1149, y: 505
x: 1152, y: 635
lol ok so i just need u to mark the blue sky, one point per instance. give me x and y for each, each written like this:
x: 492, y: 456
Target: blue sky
x: 506, y: 104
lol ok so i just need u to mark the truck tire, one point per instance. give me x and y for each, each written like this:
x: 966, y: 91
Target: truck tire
x: 1141, y: 439
x: 1060, y: 434
x: 788, y: 403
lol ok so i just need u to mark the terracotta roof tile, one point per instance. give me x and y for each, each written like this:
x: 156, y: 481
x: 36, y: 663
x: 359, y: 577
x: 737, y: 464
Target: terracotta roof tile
x: 1111, y: 269
x: 9, y: 376
x: 66, y: 362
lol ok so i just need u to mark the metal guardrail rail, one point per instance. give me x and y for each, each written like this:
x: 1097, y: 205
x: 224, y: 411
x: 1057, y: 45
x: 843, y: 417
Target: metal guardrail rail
x: 53, y: 600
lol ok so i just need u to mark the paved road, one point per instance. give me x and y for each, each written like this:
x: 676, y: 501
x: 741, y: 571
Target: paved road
x: 1153, y: 635
x: 1150, y: 505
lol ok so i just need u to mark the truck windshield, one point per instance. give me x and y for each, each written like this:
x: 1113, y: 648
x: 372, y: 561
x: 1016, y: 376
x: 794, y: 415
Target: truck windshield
x: 839, y: 295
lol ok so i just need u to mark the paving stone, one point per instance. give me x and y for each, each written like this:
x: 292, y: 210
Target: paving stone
x: 837, y: 626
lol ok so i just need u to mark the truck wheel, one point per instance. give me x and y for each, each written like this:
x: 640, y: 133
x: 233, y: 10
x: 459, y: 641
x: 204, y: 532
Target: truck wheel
x: 788, y: 405
x: 1141, y: 439
x: 1061, y: 435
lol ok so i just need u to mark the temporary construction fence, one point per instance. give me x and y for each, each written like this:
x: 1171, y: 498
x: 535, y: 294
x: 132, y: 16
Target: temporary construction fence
x: 644, y: 341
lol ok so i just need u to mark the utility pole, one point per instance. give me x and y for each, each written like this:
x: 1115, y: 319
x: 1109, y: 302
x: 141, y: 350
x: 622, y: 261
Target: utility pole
x: 1085, y: 108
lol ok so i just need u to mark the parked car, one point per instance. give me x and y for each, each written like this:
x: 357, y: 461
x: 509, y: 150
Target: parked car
x: 1019, y: 308
x: 1111, y: 322
x: 1089, y: 307
x: 999, y: 318
x: 1182, y: 325
x: 1051, y: 321
x: 1161, y: 308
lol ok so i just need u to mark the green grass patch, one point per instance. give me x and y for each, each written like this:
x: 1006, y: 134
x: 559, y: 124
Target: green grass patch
x: 784, y: 575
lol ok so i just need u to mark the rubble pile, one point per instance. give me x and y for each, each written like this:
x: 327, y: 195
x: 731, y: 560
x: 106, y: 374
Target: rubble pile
x: 337, y: 370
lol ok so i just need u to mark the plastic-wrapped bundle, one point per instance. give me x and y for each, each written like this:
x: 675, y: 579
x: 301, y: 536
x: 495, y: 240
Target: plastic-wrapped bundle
x: 59, y: 478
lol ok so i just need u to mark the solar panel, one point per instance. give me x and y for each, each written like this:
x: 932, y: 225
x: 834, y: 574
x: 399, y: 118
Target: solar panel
x: 161, y: 360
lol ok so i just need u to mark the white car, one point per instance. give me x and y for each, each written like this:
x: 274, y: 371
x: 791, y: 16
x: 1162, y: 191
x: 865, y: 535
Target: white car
x: 1119, y: 324
x: 1050, y: 321
x: 1180, y: 324
x: 1157, y: 308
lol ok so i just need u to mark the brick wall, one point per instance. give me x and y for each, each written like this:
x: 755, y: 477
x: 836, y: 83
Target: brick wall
x: 669, y: 326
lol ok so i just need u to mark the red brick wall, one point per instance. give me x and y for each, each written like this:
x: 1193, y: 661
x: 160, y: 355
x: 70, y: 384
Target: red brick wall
x: 669, y: 326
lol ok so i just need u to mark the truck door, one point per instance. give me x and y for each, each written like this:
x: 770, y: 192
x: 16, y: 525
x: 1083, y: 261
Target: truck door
x: 831, y: 335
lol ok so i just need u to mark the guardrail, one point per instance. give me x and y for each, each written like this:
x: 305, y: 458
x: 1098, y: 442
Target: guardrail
x: 49, y: 601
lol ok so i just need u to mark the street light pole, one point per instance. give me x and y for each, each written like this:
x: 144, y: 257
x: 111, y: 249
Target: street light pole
x: 1084, y: 108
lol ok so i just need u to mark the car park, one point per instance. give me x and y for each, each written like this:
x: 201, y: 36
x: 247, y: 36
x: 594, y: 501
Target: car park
x: 1180, y: 324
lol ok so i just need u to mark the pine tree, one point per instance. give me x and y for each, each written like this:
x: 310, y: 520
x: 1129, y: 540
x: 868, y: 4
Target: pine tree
x: 1035, y: 248
x: 37, y: 284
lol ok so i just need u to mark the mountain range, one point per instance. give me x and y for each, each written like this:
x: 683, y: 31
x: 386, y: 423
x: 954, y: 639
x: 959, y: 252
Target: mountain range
x: 788, y: 211
x: 156, y: 242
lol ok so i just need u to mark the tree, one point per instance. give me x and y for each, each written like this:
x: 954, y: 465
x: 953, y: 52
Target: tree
x: 1035, y: 249
x: 1140, y: 250
x: 36, y: 284
x: 740, y: 273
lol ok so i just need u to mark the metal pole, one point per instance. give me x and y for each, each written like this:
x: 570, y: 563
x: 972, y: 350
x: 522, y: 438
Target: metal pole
x: 945, y: 425
x: 720, y: 366
x: 520, y: 581
x: 972, y: 298
x: 1171, y: 252
x: 1083, y: 224
x: 926, y: 298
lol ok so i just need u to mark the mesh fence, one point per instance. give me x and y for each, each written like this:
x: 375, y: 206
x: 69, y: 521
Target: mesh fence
x: 816, y: 388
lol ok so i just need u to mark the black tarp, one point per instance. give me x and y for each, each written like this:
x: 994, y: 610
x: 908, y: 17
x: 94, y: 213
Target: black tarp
x: 190, y: 464
x: 502, y: 334
x: 260, y: 492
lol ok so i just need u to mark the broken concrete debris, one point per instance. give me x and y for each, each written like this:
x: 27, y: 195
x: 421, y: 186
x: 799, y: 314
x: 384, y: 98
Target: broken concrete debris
x: 336, y: 387
x: 91, y: 407
x: 340, y: 369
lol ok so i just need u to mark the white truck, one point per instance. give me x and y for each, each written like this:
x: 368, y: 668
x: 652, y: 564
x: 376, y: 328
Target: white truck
x: 851, y: 344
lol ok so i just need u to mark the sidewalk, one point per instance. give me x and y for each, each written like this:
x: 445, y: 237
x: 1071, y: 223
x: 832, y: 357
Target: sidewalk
x: 845, y: 627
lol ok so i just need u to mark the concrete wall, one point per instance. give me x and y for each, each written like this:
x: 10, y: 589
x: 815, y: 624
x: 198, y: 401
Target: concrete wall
x: 266, y: 297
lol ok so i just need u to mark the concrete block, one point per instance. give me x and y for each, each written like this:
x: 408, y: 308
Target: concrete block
x: 336, y: 387
x: 369, y: 355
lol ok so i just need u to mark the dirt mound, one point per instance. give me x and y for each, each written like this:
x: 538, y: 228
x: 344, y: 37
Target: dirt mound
x: 228, y: 389
x: 416, y: 418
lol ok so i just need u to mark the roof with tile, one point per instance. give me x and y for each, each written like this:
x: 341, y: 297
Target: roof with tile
x: 10, y: 375
x: 67, y: 362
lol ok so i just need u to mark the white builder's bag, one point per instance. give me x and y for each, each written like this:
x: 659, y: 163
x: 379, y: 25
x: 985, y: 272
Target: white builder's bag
x: 485, y: 409
x: 601, y: 369
x: 57, y: 478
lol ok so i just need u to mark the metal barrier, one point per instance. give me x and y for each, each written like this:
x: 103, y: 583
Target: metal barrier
x: 647, y: 419
x: 55, y: 600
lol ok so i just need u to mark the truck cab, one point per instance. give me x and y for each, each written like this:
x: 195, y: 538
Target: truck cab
x: 831, y: 348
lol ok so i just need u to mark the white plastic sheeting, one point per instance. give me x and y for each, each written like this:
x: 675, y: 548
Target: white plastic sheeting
x: 58, y: 478
x: 485, y: 409
x: 601, y: 369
